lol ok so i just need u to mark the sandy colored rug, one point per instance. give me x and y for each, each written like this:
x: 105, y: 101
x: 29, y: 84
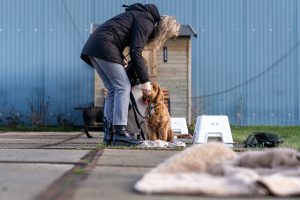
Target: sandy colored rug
x: 215, y: 170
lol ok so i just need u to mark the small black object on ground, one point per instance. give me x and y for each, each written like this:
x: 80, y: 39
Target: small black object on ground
x: 92, y: 118
x: 263, y: 139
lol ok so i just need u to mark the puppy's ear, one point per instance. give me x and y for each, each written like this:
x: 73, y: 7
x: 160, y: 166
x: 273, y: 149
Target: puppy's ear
x: 159, y: 95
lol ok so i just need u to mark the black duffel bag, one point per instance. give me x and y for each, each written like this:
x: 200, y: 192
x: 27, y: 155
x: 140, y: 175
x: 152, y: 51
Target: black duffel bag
x: 262, y: 139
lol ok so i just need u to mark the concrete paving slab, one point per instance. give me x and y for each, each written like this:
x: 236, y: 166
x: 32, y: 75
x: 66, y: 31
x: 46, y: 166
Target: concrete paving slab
x: 84, y: 141
x: 41, y: 155
x: 25, y: 181
x: 95, y: 134
x: 134, y: 158
x: 35, y: 136
x: 29, y: 141
x: 72, y: 146
x: 80, y: 143
x: 15, y: 140
x: 19, y: 146
x: 41, y: 133
x: 117, y: 183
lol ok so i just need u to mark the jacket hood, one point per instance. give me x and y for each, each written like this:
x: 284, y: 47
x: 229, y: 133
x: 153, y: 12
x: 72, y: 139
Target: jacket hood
x: 151, y: 8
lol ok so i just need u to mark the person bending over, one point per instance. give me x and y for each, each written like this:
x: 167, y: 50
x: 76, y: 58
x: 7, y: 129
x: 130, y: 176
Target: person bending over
x: 139, y: 25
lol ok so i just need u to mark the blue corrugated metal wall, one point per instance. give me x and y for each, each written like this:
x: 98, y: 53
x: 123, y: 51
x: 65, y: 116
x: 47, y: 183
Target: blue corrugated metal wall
x: 248, y: 61
x: 245, y: 60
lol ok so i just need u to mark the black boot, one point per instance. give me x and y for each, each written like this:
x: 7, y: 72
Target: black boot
x: 122, y: 137
x: 108, y: 132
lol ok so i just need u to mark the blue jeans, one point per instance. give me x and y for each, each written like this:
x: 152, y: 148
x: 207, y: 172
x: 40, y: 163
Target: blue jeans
x: 116, y: 81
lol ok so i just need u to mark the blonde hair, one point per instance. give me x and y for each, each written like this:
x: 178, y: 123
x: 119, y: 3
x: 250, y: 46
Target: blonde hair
x: 167, y: 28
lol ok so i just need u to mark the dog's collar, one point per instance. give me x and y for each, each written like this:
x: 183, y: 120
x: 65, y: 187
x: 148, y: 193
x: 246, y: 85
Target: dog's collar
x: 151, y: 108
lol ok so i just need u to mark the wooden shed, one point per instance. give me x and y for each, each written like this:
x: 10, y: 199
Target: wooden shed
x: 171, y: 67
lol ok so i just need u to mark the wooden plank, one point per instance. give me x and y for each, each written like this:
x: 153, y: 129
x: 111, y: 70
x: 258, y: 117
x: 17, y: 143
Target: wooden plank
x: 178, y: 113
x: 174, y: 86
x: 174, y: 79
x: 181, y: 110
x: 173, y: 74
x: 172, y: 65
x: 172, y: 71
x: 177, y: 44
x: 172, y: 62
x: 179, y: 99
x: 178, y: 95
x: 170, y: 68
x: 173, y: 52
x: 180, y: 107
x: 180, y: 62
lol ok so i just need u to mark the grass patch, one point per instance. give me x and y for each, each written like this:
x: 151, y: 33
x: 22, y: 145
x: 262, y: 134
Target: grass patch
x: 102, y: 146
x: 290, y: 134
x: 78, y: 170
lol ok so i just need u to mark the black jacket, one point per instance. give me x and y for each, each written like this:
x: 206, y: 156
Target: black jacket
x: 131, y: 28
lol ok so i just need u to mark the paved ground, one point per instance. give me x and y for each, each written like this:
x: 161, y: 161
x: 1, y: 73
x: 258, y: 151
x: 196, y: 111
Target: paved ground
x: 67, y: 165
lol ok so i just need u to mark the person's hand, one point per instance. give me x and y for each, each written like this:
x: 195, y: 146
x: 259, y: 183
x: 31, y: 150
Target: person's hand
x: 125, y: 63
x: 146, y: 88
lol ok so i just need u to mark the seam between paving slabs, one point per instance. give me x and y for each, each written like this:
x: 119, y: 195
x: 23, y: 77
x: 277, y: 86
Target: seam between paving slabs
x: 126, y: 166
x: 42, y: 162
x: 65, y: 187
x: 60, y: 142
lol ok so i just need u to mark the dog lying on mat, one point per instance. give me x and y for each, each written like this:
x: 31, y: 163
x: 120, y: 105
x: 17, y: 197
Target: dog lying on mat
x: 156, y: 116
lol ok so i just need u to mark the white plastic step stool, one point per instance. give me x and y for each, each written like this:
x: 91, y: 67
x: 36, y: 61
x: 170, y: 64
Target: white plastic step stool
x: 178, y: 125
x: 213, y: 128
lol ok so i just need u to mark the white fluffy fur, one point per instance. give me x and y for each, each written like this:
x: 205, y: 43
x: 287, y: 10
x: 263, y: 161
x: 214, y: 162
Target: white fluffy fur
x: 215, y: 170
x: 269, y: 159
x: 197, y: 158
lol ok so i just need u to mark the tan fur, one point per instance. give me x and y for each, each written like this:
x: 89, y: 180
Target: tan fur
x: 158, y: 123
x: 269, y: 159
x: 197, y: 158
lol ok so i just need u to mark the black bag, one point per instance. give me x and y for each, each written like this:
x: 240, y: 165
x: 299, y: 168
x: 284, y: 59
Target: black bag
x: 262, y: 139
x: 131, y: 74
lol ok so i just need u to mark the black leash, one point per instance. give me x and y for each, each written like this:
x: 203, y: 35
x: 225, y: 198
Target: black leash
x: 150, y: 110
x: 135, y: 111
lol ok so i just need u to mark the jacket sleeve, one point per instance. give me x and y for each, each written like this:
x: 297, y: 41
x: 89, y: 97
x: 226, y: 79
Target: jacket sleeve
x: 140, y: 33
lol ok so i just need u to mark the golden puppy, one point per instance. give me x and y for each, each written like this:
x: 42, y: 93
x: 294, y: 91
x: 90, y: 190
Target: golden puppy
x: 158, y: 122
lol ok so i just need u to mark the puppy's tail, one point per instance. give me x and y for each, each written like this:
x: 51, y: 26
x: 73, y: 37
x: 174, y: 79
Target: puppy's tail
x: 170, y: 136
